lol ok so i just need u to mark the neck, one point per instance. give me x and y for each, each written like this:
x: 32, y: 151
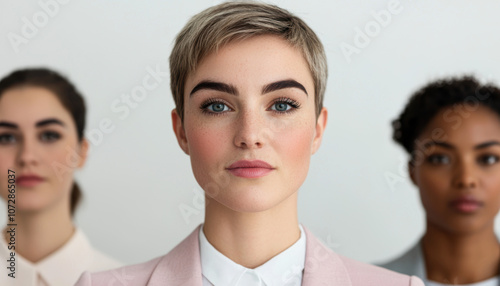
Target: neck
x: 456, y: 258
x: 251, y: 239
x: 40, y: 233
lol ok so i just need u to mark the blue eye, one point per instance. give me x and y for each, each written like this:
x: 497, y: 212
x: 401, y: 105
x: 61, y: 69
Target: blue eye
x: 7, y: 139
x: 439, y: 159
x: 488, y: 159
x: 214, y: 106
x: 218, y: 107
x: 284, y: 105
x: 281, y: 106
x: 50, y: 136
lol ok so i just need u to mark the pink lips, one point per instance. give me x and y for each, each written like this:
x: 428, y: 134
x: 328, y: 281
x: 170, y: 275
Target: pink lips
x: 250, y: 169
x: 28, y: 180
x: 466, y: 204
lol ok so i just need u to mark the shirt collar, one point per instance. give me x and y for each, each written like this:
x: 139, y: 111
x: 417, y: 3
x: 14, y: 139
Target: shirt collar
x: 72, y: 258
x: 282, y: 269
x: 62, y: 266
x: 25, y: 273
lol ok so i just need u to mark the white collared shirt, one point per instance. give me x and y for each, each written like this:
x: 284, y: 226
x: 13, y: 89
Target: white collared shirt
x: 285, y: 268
x: 490, y: 282
x: 61, y: 268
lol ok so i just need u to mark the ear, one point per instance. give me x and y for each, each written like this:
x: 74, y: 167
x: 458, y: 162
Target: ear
x: 179, y: 131
x: 411, y: 172
x: 84, y: 149
x: 320, y: 128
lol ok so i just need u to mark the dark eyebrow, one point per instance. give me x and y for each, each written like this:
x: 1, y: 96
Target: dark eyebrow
x: 438, y: 143
x: 289, y: 83
x: 8, y: 124
x: 449, y: 146
x: 213, y: 85
x: 486, y: 145
x: 49, y: 121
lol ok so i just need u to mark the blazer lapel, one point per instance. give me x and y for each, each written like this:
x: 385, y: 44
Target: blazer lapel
x: 322, y: 266
x: 181, y: 266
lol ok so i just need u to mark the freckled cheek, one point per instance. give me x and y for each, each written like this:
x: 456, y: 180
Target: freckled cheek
x: 295, y: 145
x: 207, y: 145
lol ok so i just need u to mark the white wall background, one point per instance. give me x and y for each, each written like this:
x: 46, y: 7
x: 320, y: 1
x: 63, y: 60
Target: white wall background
x: 137, y: 178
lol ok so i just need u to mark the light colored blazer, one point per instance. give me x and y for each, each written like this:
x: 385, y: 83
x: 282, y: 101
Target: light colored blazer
x: 181, y: 266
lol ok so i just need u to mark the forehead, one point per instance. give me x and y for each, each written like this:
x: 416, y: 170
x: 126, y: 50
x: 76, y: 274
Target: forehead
x: 256, y: 61
x: 466, y: 124
x: 25, y: 105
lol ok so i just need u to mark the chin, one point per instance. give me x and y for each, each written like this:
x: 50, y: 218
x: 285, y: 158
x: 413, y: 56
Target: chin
x: 246, y: 207
x: 465, y: 225
x: 28, y: 201
x: 250, y: 207
x: 251, y: 200
x: 30, y: 207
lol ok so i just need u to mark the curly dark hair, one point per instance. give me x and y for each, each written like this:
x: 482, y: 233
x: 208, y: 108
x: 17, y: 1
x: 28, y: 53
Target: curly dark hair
x: 428, y: 101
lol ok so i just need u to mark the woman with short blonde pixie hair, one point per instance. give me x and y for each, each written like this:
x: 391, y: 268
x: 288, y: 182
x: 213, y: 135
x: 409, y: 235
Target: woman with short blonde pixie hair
x: 214, y: 27
x: 248, y: 81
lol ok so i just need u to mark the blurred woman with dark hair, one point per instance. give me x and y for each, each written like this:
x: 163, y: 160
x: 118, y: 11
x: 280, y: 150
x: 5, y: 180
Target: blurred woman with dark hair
x: 451, y: 130
x: 42, y: 118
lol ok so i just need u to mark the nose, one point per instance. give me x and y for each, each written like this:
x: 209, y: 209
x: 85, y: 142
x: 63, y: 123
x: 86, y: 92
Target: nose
x: 465, y: 176
x: 27, y: 153
x: 250, y: 130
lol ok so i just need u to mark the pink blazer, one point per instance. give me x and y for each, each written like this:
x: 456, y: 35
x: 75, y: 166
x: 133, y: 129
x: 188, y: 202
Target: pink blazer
x: 181, y: 266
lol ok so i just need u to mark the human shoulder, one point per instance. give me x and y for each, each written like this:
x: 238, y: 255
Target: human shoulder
x: 137, y: 274
x: 181, y: 266
x: 325, y: 267
x: 101, y: 262
x: 94, y: 259
x: 410, y: 262
x: 363, y: 273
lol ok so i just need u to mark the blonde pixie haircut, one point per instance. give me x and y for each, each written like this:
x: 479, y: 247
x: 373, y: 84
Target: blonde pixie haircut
x: 216, y: 26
